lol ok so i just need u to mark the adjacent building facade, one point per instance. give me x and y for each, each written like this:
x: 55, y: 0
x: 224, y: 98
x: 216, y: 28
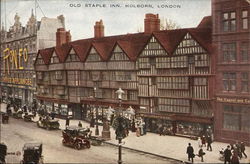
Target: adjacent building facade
x: 19, y: 47
x: 231, y: 35
x: 167, y: 76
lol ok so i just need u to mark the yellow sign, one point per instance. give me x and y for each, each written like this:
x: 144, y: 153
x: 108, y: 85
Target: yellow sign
x: 17, y: 81
x: 233, y: 100
x: 15, y: 58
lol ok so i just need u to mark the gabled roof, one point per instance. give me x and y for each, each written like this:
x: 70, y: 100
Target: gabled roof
x: 170, y: 39
x: 81, y: 49
x: 46, y: 54
x: 62, y: 51
x: 131, y: 44
x: 203, y: 37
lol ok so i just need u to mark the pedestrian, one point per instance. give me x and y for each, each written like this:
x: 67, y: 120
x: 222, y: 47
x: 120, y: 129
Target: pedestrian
x: 190, y: 152
x: 199, y: 142
x: 235, y: 159
x: 209, y: 142
x: 79, y: 124
x: 238, y: 148
x: 161, y: 128
x: 201, y: 153
x: 203, y: 141
x: 67, y: 121
x: 133, y: 129
x: 242, y: 147
x: 227, y: 155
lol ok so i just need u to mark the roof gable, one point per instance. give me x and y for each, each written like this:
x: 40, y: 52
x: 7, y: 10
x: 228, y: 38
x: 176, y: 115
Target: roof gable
x: 93, y: 55
x: 72, y: 56
x: 118, y: 54
x: 82, y: 48
x: 45, y: 54
x: 153, y: 48
x: 62, y: 51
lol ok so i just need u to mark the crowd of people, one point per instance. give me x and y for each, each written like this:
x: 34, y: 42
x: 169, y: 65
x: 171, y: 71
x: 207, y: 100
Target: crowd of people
x: 233, y: 153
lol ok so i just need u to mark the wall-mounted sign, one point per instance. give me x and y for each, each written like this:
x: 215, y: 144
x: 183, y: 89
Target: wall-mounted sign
x: 14, y: 58
x: 19, y: 81
x: 233, y: 100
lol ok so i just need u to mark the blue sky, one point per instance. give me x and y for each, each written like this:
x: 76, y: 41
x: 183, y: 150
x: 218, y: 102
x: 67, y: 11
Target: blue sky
x: 121, y: 20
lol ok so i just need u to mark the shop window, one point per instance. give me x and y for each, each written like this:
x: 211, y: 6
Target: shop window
x: 244, y: 82
x: 236, y: 118
x: 229, y: 81
x: 244, y: 16
x: 229, y: 21
x: 229, y: 52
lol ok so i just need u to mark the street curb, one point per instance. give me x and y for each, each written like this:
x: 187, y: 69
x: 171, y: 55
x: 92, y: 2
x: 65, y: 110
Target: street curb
x: 161, y: 156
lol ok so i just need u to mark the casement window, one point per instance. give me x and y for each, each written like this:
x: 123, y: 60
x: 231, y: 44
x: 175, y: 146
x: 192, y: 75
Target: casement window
x: 244, y: 52
x: 58, y: 75
x: 244, y: 17
x: 229, y: 81
x: 229, y: 21
x: 39, y: 75
x: 229, y: 52
x: 244, y: 82
x: 236, y: 118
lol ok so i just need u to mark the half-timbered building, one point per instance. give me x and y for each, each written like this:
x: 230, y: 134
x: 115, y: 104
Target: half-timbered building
x: 166, y: 75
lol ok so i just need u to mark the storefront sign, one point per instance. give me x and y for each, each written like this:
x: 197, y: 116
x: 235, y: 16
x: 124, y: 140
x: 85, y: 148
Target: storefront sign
x: 14, y: 58
x: 19, y: 81
x: 233, y: 100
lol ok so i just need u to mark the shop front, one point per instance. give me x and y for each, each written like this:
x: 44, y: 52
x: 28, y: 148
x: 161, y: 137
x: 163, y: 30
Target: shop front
x: 178, y: 124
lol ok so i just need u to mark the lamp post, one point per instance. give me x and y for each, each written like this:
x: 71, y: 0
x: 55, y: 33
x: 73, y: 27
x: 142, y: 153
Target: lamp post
x: 96, y: 117
x: 119, y: 129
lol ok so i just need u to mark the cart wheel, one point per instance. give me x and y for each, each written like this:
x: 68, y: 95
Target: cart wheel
x: 78, y: 146
x: 88, y: 145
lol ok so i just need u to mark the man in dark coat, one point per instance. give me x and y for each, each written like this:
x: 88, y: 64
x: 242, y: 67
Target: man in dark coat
x: 190, y: 152
x: 67, y: 121
x: 227, y: 155
x: 242, y: 147
x: 209, y: 142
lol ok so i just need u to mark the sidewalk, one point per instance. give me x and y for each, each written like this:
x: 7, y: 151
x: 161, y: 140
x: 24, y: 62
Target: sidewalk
x: 169, y: 146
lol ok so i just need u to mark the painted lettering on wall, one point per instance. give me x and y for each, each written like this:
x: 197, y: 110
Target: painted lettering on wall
x: 14, y: 58
x: 233, y: 100
x: 21, y: 81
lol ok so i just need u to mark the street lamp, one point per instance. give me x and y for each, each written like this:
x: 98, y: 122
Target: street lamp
x: 96, y: 117
x: 119, y: 130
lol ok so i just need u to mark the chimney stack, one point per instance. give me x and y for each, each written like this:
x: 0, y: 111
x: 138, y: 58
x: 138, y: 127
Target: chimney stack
x: 151, y: 23
x: 62, y: 36
x: 99, y: 29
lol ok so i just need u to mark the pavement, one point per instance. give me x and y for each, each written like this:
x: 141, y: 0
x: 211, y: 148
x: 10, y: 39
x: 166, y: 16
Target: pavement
x: 172, y: 147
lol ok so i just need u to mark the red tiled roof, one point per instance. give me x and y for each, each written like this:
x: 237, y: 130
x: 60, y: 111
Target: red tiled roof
x: 131, y: 44
x: 206, y: 22
x: 62, y: 51
x: 81, y: 49
x: 170, y: 39
x: 46, y: 54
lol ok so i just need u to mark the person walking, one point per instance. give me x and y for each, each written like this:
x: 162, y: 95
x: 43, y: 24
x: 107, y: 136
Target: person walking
x: 201, y: 153
x: 203, y: 141
x: 235, y: 159
x: 209, y: 142
x: 67, y: 122
x: 227, y: 155
x: 238, y: 148
x: 199, y: 142
x: 242, y: 148
x: 190, y: 152
x: 79, y: 124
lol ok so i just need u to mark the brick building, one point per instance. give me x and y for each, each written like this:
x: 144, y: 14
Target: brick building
x: 231, y: 35
x: 167, y: 75
x: 19, y: 47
